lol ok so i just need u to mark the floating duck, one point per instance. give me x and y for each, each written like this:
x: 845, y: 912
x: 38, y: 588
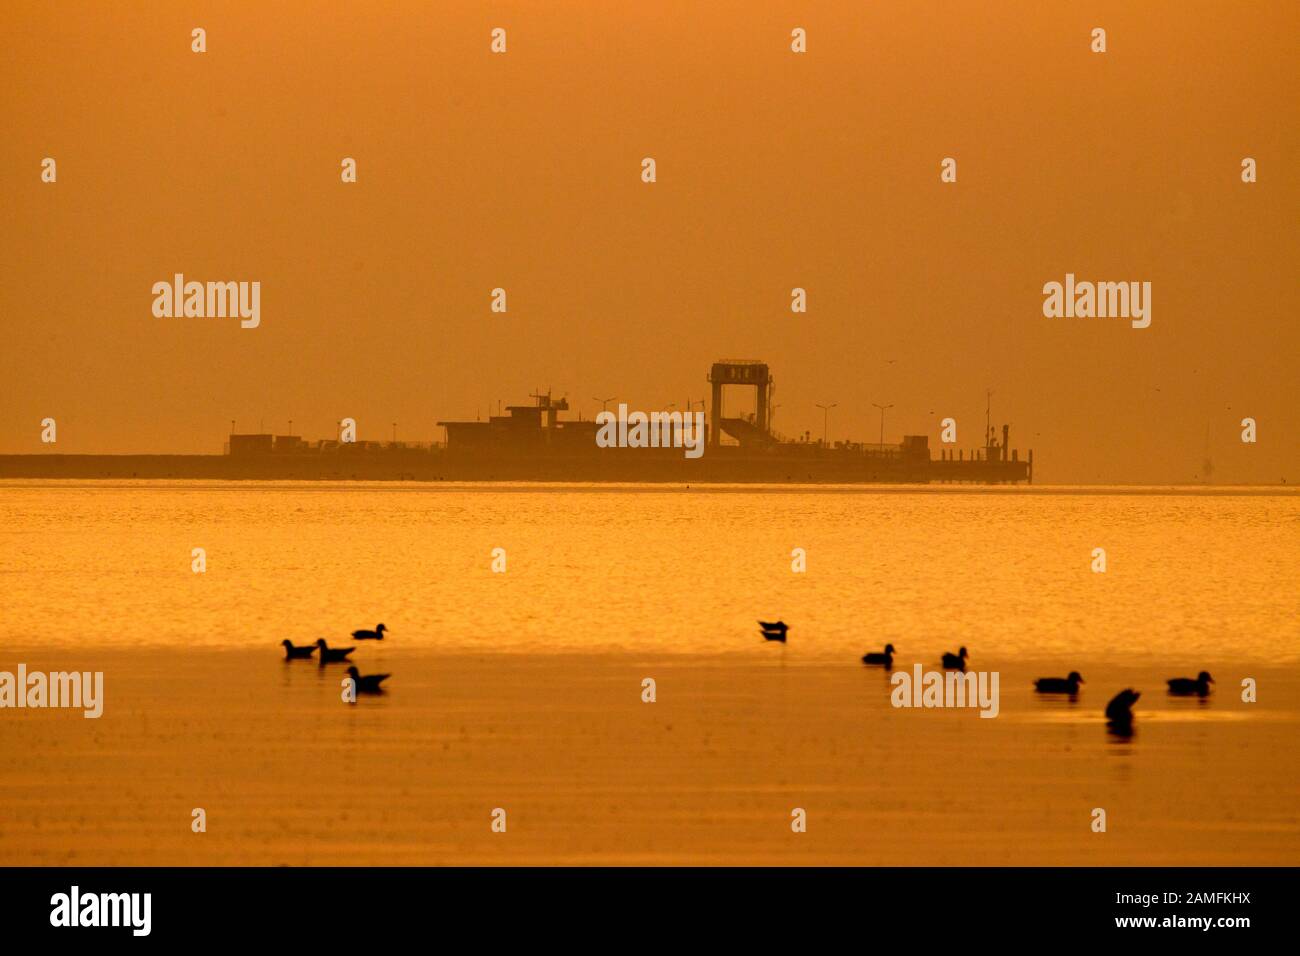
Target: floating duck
x: 367, y: 683
x: 1119, y: 712
x: 774, y: 630
x: 1059, y: 685
x: 333, y: 655
x: 886, y: 657
x: 1185, y: 686
x: 293, y: 652
x: 956, y: 661
x: 376, y: 635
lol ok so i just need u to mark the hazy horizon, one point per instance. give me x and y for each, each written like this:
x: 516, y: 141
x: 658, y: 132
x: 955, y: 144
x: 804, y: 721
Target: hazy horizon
x: 775, y: 171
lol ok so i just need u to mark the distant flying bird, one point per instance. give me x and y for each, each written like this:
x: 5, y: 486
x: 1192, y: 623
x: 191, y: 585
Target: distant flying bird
x: 1059, y: 685
x: 1185, y: 686
x: 955, y: 661
x: 332, y: 655
x: 886, y: 658
x: 367, y: 683
x: 376, y: 635
x: 1120, y: 709
x: 774, y: 630
x: 292, y: 653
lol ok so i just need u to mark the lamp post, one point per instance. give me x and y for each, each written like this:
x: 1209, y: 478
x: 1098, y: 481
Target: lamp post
x: 604, y: 402
x: 882, y: 422
x: 826, y: 418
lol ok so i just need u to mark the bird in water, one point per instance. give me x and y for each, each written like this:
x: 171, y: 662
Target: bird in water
x: 1185, y: 686
x: 956, y: 661
x: 1059, y: 685
x: 333, y: 655
x: 774, y: 630
x: 886, y: 657
x: 376, y: 635
x: 294, y: 652
x: 1119, y: 712
x: 367, y: 683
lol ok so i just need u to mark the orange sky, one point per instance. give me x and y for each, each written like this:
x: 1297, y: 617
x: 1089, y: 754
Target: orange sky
x: 775, y: 170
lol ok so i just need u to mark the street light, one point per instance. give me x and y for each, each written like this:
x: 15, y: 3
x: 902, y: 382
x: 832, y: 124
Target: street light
x: 882, y: 422
x: 826, y: 417
x: 604, y: 402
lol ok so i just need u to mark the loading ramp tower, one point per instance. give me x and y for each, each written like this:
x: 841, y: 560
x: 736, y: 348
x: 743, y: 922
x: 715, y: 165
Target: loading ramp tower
x: 751, y: 374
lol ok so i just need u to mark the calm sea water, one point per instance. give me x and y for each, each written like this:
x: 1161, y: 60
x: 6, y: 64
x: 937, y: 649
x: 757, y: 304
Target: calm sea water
x: 604, y: 587
x: 1007, y: 573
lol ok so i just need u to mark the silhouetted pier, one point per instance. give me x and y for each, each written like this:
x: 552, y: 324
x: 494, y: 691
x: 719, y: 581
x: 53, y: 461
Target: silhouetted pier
x: 535, y: 443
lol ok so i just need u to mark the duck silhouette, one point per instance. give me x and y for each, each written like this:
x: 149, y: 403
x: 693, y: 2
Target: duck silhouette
x: 367, y: 683
x: 333, y: 655
x: 1119, y: 712
x: 376, y: 635
x: 297, y: 653
x: 774, y: 630
x: 886, y: 657
x: 1059, y: 685
x: 956, y: 661
x: 1185, y: 686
